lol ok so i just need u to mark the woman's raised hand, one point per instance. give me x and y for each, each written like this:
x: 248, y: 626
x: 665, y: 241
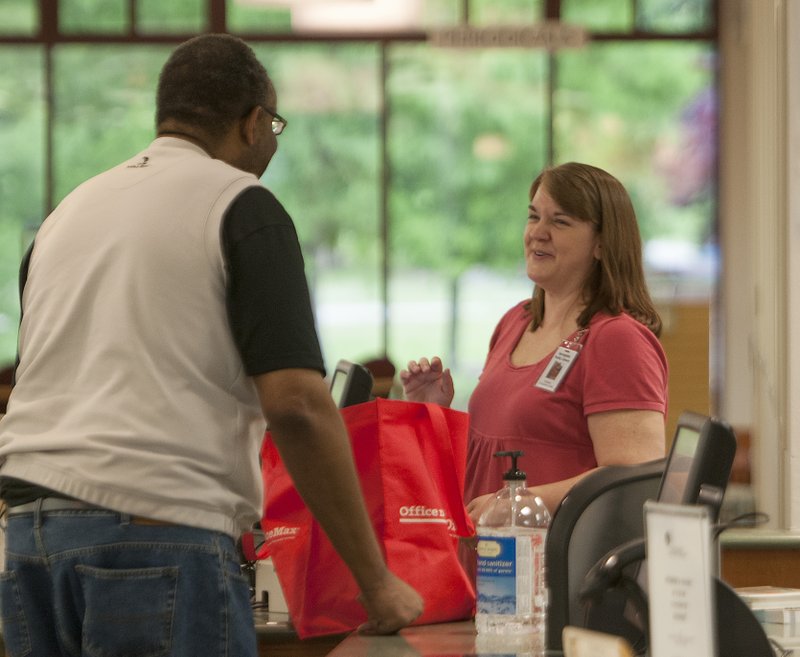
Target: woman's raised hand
x: 427, y: 381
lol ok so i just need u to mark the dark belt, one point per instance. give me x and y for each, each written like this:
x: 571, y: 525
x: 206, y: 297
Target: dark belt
x: 63, y: 504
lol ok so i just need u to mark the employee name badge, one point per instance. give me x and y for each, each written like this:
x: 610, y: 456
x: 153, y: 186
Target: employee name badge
x: 561, y: 362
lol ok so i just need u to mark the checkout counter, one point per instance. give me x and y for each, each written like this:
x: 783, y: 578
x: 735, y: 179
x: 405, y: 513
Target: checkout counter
x: 451, y: 639
x: 277, y: 638
x: 749, y: 557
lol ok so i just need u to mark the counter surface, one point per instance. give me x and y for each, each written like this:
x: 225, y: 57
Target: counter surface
x: 451, y: 639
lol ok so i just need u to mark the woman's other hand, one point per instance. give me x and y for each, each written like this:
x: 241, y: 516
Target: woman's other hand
x: 427, y: 381
x: 475, y: 507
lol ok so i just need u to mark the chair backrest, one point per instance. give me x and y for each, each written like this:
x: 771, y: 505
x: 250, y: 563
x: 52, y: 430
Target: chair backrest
x: 602, y: 511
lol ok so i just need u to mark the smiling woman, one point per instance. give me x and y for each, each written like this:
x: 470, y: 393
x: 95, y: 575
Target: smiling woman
x: 595, y: 210
x: 575, y: 378
x: 560, y: 249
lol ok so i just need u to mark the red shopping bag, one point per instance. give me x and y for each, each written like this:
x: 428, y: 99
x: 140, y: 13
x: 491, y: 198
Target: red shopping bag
x: 410, y: 459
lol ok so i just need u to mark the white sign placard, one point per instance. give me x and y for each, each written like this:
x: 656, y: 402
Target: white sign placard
x: 679, y: 580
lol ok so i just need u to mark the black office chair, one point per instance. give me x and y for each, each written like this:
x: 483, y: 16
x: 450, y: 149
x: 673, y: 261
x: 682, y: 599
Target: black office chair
x: 599, y: 513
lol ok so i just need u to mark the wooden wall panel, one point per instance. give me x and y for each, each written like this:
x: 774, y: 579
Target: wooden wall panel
x: 685, y: 338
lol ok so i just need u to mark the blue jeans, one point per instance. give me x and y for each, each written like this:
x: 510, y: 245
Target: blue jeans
x: 95, y: 583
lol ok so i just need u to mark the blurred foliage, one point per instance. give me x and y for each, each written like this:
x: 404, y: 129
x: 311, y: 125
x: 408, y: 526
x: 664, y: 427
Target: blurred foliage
x: 18, y: 17
x: 159, y: 17
x: 93, y: 16
x: 104, y: 100
x: 22, y: 174
x: 627, y: 107
x: 327, y: 168
x: 467, y: 136
x: 674, y: 16
x: 247, y: 16
x: 607, y: 16
x: 467, y: 131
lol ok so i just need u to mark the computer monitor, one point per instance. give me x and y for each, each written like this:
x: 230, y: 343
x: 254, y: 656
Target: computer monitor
x: 699, y: 462
x: 351, y: 383
x: 696, y: 472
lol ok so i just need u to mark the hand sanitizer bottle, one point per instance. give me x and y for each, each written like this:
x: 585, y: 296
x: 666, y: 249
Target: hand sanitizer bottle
x: 512, y: 528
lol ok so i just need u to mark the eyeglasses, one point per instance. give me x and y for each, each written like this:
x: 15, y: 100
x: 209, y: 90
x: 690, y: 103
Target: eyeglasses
x: 278, y: 122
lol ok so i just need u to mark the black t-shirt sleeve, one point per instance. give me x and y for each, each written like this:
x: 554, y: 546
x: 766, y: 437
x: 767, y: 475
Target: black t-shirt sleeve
x: 268, y: 303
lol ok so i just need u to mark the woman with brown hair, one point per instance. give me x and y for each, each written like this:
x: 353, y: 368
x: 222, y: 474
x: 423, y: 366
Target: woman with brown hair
x: 575, y: 376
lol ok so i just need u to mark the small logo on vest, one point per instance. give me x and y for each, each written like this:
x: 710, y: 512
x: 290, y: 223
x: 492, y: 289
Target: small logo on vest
x: 141, y: 164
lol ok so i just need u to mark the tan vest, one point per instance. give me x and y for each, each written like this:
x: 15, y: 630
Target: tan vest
x: 130, y: 392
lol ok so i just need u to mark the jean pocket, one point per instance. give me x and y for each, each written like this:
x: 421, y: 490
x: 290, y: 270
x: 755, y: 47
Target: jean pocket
x: 15, y: 627
x: 128, y: 611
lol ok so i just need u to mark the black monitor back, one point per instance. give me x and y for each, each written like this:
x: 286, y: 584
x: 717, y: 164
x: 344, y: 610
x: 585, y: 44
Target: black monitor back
x: 699, y: 462
x: 351, y: 383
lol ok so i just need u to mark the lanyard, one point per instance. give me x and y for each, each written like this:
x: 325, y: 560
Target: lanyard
x: 561, y: 362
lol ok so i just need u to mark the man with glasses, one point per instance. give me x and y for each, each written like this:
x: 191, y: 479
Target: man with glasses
x: 278, y: 122
x: 165, y: 316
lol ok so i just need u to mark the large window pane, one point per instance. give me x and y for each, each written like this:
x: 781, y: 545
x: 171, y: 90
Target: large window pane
x: 19, y: 17
x: 647, y: 113
x: 22, y: 144
x: 467, y: 131
x: 606, y: 16
x: 253, y: 18
x: 327, y: 174
x: 175, y: 16
x: 94, y: 16
x: 104, y: 108
x: 674, y: 15
x: 467, y: 135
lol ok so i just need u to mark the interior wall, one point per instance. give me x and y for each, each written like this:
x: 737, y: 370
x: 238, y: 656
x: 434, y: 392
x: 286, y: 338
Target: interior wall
x: 685, y: 338
x: 736, y: 305
x: 792, y: 39
x: 760, y: 246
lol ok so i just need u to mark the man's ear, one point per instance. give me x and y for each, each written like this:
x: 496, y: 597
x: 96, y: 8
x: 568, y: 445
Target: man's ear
x: 248, y: 125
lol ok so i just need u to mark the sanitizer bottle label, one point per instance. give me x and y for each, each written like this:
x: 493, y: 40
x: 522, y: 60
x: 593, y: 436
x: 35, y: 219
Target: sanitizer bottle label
x: 505, y: 579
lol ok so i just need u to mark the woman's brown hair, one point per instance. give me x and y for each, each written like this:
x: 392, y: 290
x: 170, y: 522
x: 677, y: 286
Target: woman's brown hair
x: 616, y: 282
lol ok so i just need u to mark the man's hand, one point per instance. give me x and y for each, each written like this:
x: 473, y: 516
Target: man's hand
x: 391, y: 605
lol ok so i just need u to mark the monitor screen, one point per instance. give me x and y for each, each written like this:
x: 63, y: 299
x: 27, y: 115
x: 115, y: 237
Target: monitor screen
x: 673, y: 485
x: 351, y: 383
x: 338, y: 386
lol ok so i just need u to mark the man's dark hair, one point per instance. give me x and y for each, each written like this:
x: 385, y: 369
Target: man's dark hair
x: 211, y: 81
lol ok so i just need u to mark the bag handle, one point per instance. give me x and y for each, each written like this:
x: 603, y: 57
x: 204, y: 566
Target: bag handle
x: 452, y: 492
